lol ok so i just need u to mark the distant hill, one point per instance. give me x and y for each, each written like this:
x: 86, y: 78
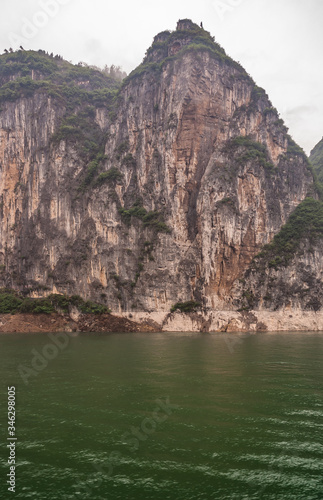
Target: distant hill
x: 316, y: 158
x: 19, y: 69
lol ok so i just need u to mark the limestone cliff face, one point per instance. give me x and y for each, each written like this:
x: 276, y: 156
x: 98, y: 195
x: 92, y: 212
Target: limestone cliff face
x: 316, y: 159
x: 193, y: 173
x: 297, y: 286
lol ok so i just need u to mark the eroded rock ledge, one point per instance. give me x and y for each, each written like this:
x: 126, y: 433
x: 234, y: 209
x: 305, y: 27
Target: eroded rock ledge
x: 216, y: 321
x: 231, y: 321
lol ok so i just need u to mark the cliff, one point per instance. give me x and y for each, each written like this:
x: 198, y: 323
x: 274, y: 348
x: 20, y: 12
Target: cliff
x: 316, y: 159
x: 159, y: 191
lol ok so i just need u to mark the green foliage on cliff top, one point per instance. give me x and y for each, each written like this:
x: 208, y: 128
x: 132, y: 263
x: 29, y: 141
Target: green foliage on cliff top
x: 306, y: 222
x: 193, y: 40
x: 317, y: 185
x: 316, y: 159
x: 258, y: 94
x: 295, y: 149
x: 52, y: 69
x: 23, y: 73
x: 193, y: 35
x: 12, y: 302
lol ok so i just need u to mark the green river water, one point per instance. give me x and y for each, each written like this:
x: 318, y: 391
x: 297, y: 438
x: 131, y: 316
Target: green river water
x: 173, y: 416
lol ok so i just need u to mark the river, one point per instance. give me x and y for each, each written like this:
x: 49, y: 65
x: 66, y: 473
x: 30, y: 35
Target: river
x: 175, y: 416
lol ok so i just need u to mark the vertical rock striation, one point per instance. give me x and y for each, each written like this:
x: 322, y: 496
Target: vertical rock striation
x: 163, y: 191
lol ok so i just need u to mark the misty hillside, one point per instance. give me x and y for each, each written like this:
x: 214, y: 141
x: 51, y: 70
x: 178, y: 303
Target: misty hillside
x: 316, y: 158
x: 24, y: 72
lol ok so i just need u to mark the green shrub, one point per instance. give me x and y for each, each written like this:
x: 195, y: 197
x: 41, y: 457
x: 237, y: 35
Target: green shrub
x: 276, y: 262
x: 151, y: 219
x: 306, y: 222
x: 199, y: 41
x: 87, y: 307
x: 186, y: 307
x: 251, y: 151
x: 316, y: 159
x: 111, y: 175
x: 227, y: 202
x: 294, y: 149
x: 61, y: 302
x: 270, y: 111
x: 258, y: 94
x: 160, y: 227
x: 129, y: 160
x: 318, y: 186
x: 281, y: 125
x: 11, y: 302
x: 91, y: 172
x: 53, y: 70
x: 81, y: 130
x: 37, y: 306
x: 122, y: 148
x: 248, y: 295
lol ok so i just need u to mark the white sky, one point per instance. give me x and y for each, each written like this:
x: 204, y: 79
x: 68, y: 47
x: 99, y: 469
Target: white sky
x: 279, y: 42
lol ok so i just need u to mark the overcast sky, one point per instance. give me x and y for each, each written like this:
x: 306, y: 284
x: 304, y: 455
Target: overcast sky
x: 279, y: 42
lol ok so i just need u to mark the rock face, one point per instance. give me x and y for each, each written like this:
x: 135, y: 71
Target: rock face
x: 316, y: 159
x: 161, y: 192
x: 294, y: 287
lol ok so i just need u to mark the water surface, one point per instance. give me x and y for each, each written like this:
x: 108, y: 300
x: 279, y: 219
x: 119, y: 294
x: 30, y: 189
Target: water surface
x: 244, y: 418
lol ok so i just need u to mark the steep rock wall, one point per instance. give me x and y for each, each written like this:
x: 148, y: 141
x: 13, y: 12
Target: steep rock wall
x: 176, y: 144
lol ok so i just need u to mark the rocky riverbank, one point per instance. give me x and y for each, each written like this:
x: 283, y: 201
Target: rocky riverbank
x: 52, y: 323
x: 231, y: 321
x: 215, y: 321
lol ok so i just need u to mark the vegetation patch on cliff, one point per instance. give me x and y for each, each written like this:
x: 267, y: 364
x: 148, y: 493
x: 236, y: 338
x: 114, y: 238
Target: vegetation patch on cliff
x: 55, y: 69
x: 153, y: 219
x: 81, y: 131
x: 293, y: 150
x: 267, y: 282
x: 306, y: 222
x: 192, y: 39
x: 186, y: 307
x: 244, y: 149
x: 316, y: 159
x: 111, y: 175
x: 12, y: 302
x: 23, y: 73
